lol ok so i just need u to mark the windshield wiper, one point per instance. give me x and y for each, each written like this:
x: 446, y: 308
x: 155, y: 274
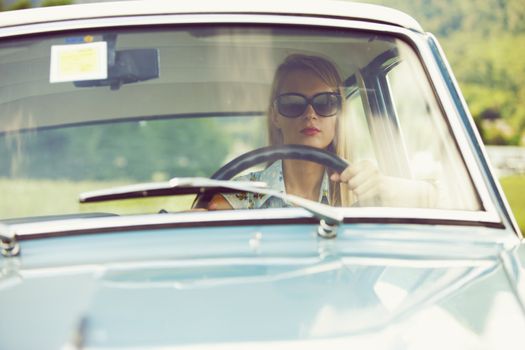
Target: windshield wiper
x: 329, y: 216
x: 175, y: 186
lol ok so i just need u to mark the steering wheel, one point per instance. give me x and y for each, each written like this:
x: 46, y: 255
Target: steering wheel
x: 271, y: 154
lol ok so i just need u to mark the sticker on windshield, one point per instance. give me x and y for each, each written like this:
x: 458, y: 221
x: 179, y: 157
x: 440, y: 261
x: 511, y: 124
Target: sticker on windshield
x: 78, y: 62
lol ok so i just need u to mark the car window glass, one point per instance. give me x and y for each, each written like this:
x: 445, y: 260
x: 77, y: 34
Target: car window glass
x: 430, y: 148
x: 358, y: 129
x: 184, y: 101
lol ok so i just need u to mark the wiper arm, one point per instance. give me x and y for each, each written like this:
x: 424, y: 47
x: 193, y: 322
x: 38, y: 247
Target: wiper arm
x: 175, y: 186
x: 191, y: 185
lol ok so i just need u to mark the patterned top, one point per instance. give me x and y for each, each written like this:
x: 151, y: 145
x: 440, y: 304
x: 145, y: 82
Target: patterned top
x: 273, y: 177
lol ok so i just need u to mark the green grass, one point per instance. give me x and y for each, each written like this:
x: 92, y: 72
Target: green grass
x: 514, y: 188
x: 20, y: 198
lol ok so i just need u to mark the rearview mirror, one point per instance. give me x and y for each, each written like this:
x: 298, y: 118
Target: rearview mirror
x: 130, y: 66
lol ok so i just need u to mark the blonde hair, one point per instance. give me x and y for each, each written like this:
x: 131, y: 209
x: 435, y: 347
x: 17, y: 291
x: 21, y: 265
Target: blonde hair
x: 329, y: 74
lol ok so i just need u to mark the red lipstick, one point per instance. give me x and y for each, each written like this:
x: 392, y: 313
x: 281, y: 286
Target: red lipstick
x: 310, y: 131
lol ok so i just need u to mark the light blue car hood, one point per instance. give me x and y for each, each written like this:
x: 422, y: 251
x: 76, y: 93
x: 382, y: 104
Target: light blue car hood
x: 237, y: 288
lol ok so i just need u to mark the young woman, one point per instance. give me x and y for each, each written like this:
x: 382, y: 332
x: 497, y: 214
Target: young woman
x: 306, y: 108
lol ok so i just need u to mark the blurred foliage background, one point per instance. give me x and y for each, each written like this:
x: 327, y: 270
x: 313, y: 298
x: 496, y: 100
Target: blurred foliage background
x: 484, y: 41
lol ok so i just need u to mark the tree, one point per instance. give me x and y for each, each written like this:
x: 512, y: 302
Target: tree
x: 484, y: 40
x: 25, y: 4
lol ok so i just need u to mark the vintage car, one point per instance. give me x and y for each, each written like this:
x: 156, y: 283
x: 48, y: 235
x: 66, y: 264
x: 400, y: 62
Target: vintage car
x: 167, y: 183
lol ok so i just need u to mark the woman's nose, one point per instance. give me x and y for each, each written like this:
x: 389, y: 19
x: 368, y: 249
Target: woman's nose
x: 310, y: 112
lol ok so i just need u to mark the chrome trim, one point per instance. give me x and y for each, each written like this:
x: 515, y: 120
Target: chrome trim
x: 422, y: 213
x: 9, y: 247
x: 142, y: 189
x: 324, y: 213
x: 446, y: 101
x: 484, y: 154
x: 414, y: 39
x: 183, y: 19
x: 337, y: 9
x: 66, y: 227
x: 51, y: 228
x: 326, y: 230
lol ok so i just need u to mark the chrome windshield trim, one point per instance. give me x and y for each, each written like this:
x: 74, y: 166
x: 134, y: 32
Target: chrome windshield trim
x: 330, y: 9
x: 485, y: 200
x: 205, y: 218
x: 458, y: 131
x: 66, y: 227
x: 417, y: 40
x: 422, y: 213
x: 445, y: 100
x: 181, y: 19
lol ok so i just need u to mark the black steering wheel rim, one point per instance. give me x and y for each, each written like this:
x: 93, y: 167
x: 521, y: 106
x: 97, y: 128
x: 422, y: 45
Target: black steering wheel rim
x: 272, y: 153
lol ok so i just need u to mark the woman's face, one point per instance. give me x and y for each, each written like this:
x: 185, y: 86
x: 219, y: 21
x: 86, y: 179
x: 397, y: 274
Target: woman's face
x: 309, y: 128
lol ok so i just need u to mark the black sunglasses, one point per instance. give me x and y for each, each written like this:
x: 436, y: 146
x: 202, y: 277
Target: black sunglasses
x: 293, y: 105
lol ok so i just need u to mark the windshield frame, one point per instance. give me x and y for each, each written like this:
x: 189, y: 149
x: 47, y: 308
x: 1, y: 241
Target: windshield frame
x: 489, y: 215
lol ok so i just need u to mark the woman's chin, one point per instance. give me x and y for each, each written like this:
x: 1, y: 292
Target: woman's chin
x: 314, y: 143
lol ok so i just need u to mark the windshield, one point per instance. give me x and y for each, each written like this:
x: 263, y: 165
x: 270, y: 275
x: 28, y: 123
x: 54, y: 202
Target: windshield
x: 90, y: 110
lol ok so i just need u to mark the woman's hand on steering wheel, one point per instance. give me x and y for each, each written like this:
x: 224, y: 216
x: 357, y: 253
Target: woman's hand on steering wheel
x: 373, y: 188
